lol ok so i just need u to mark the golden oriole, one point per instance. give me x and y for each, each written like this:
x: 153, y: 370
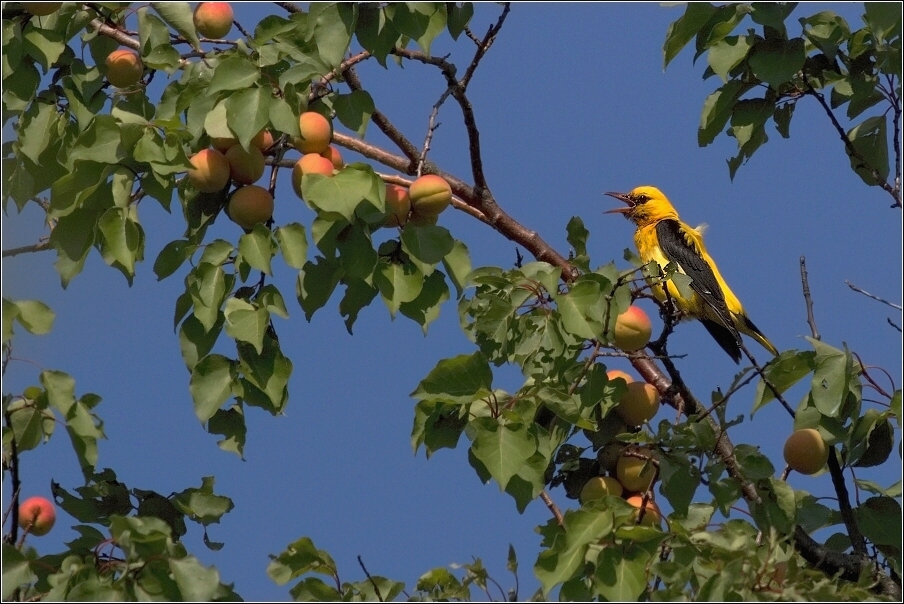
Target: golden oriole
x: 661, y: 236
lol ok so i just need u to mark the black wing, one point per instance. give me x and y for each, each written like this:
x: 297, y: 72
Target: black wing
x: 674, y: 244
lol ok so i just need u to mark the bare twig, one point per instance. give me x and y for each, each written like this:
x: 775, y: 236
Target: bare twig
x: 37, y: 247
x: 371, y: 579
x: 775, y: 391
x: 893, y: 324
x: 431, y: 128
x: 805, y: 283
x: 869, y: 295
x: 556, y: 512
x: 484, y: 45
x: 289, y: 7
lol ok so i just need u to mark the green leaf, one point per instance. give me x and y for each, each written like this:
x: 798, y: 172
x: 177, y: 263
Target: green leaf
x: 195, y: 341
x: 374, y: 32
x: 870, y: 141
x: 316, y: 283
x: 679, y: 482
x: 123, y: 240
x: 502, y: 448
x: 231, y: 424
x: 427, y: 245
x: 577, y: 239
x: 356, y: 253
x: 581, y: 310
x: 683, y: 30
x: 358, y: 294
x: 621, y: 576
x: 354, y: 110
x: 101, y: 143
x: 44, y: 45
x: 398, y: 283
x: 459, y: 17
x: 883, y: 19
x: 246, y: 323
x: 206, y: 284
x: 236, y: 72
x: 257, y: 248
x: 830, y: 378
x: 36, y: 317
x: 425, y: 308
x: 202, y: 504
x: 247, y: 113
x: 332, y: 25
x: 293, y: 243
x: 265, y: 376
x: 783, y: 372
x: 172, y: 256
x: 879, y: 518
x: 782, y: 118
x: 728, y: 53
x: 458, y: 380
x: 339, y: 194
x: 211, y: 384
x: 776, y: 61
x: 299, y: 558
x: 458, y: 266
x: 16, y: 570
x: 420, y: 21
x: 196, y: 582
x: 179, y: 16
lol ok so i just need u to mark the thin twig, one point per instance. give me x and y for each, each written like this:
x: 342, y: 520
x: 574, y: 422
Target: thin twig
x: 289, y: 7
x: 431, y: 128
x: 556, y: 512
x: 869, y: 295
x: 850, y: 146
x: 893, y: 324
x: 37, y: 247
x: 761, y: 372
x: 371, y: 579
x: 484, y: 46
x: 805, y: 283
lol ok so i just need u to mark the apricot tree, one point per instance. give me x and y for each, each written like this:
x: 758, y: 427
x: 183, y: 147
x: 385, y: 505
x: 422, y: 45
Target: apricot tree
x: 88, y: 154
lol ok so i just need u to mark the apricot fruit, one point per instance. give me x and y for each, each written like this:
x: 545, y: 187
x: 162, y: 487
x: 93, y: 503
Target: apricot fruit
x: 639, y: 404
x: 263, y: 140
x: 398, y: 205
x: 630, y: 470
x: 213, y: 19
x: 652, y: 516
x: 332, y: 154
x: 632, y: 329
x: 250, y: 205
x: 245, y: 167
x: 430, y: 195
x: 805, y: 451
x: 600, y: 486
x: 316, y: 133
x: 210, y: 172
x: 37, y: 515
x: 124, y: 68
x: 310, y: 163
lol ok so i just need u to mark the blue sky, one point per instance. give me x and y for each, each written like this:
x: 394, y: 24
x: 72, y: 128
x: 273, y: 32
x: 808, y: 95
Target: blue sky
x: 571, y: 101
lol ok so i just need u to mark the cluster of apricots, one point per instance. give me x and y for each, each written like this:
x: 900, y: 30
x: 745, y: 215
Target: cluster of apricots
x: 225, y: 162
x: 632, y: 469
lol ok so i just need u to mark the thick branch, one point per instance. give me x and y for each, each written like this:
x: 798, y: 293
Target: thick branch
x: 111, y: 32
x: 844, y: 505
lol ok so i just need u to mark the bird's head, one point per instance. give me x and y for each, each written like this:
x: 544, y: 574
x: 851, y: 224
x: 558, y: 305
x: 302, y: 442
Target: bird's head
x: 644, y: 205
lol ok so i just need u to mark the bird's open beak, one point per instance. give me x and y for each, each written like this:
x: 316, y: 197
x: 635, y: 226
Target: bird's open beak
x: 621, y: 197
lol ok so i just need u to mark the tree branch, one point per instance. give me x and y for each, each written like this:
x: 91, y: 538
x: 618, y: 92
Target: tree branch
x: 850, y: 146
x: 844, y: 505
x: 805, y: 283
x: 37, y: 247
x: 869, y: 295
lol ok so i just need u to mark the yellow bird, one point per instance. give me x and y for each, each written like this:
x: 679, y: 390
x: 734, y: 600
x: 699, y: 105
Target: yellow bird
x: 661, y: 236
